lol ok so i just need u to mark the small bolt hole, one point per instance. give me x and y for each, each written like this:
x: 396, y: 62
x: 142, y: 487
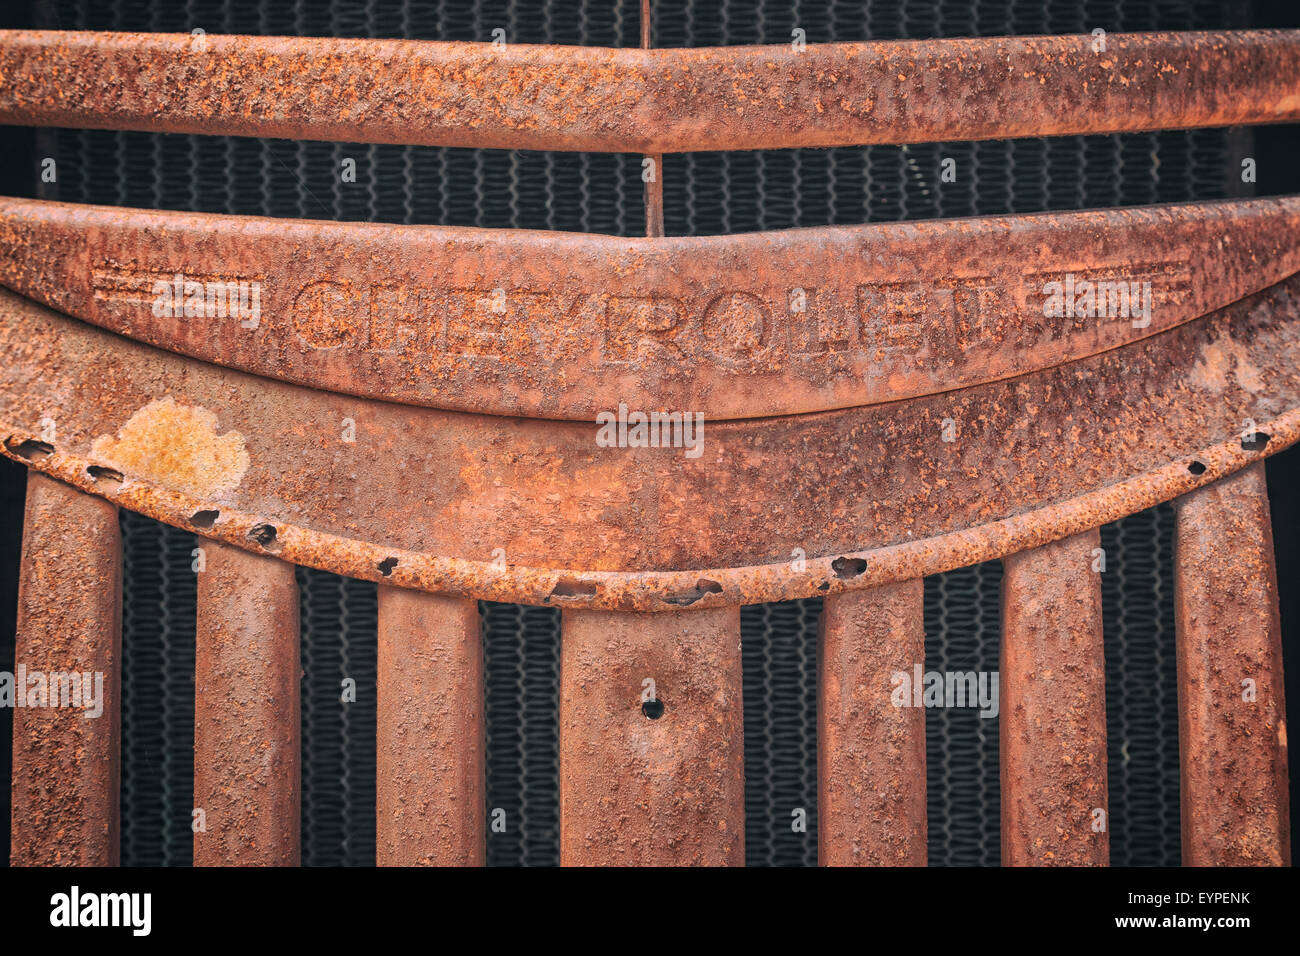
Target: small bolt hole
x: 264, y: 534
x: 102, y: 474
x: 654, y: 709
x: 31, y: 449
x: 1196, y: 468
x: 846, y: 569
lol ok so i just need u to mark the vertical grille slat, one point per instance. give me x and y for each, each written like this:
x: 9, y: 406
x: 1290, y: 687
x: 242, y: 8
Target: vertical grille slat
x: 1231, y: 700
x: 66, y: 759
x: 871, y: 745
x: 429, y: 799
x: 1053, y: 707
x: 651, y: 739
x: 247, y: 762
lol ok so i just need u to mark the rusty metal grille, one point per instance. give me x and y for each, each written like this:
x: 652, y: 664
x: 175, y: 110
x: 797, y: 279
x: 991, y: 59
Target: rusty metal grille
x: 705, y: 193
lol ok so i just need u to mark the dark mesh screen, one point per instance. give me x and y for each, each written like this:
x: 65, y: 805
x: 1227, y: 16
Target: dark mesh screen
x: 1137, y: 596
x: 522, y: 650
x: 961, y: 748
x: 704, y: 193
x: 338, y: 770
x: 779, y: 662
x: 158, y: 595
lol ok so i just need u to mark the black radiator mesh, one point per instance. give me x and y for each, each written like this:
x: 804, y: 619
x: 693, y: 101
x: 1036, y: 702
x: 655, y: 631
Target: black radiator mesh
x: 743, y: 192
x: 338, y: 770
x: 779, y: 663
x: 521, y: 646
x: 158, y: 594
x: 1137, y: 595
x: 961, y: 748
x: 704, y: 193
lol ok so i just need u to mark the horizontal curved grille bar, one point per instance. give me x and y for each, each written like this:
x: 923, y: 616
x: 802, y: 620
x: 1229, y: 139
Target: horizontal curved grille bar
x: 654, y: 101
x: 565, y: 326
x: 257, y: 463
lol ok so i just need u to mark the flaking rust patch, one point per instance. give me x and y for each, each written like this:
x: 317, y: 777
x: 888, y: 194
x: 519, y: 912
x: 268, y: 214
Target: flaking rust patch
x: 178, y: 447
x: 1221, y: 358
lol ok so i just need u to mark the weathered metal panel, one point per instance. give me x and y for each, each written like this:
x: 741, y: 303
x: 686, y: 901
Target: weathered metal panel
x: 651, y: 739
x: 523, y: 96
x: 1023, y: 430
x: 940, y: 482
x: 551, y: 325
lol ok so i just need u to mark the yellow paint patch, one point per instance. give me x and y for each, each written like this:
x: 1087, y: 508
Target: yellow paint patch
x: 178, y: 447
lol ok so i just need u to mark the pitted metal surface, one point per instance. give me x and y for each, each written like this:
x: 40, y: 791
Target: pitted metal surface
x: 68, y: 657
x: 1231, y: 700
x: 538, y: 512
x: 1053, y: 695
x: 870, y: 741
x: 522, y: 96
x: 247, y: 712
x: 651, y: 739
x: 565, y: 326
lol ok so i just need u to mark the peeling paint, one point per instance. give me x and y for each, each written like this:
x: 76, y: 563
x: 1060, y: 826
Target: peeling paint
x: 178, y: 447
x: 1224, y: 358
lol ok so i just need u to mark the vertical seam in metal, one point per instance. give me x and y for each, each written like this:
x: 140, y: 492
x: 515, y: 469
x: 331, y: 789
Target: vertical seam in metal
x: 654, y: 188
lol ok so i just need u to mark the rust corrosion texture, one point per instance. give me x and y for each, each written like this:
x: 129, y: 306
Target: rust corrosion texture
x: 651, y: 739
x: 1053, y: 707
x: 247, y: 778
x: 429, y: 796
x: 1231, y: 704
x: 67, y: 758
x: 423, y: 499
x: 566, y: 326
x: 870, y: 744
x: 647, y: 101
